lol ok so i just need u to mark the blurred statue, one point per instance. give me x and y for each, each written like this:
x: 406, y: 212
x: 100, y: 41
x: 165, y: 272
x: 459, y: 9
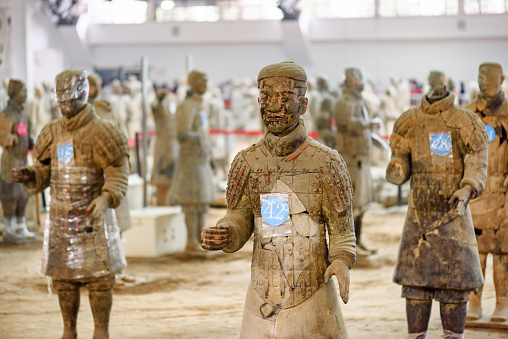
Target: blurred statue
x: 490, y: 209
x: 37, y: 111
x: 435, y: 78
x: 320, y: 107
x: 166, y: 146
x: 118, y: 102
x: 192, y: 186
x: 293, y: 194
x: 84, y: 160
x: 50, y: 102
x: 354, y: 126
x: 15, y: 139
x: 217, y: 121
x: 443, y: 149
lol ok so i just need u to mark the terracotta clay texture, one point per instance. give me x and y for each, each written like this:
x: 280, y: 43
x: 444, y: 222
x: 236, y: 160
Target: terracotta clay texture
x: 193, y: 186
x: 354, y: 143
x: 289, y: 191
x: 443, y: 149
x: 489, y: 210
x: 321, y: 107
x: 84, y: 160
x: 15, y: 139
x: 166, y: 147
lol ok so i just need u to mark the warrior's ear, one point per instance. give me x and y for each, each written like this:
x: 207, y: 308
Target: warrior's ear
x: 303, y: 104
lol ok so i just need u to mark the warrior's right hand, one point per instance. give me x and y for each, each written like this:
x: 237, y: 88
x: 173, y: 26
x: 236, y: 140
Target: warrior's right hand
x: 11, y: 140
x: 396, y: 172
x: 23, y: 175
x: 214, y: 239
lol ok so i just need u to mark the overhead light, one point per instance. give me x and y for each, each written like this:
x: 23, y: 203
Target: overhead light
x: 167, y: 5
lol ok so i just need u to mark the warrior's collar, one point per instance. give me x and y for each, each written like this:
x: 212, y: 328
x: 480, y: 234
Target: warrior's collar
x: 439, y: 106
x: 491, y: 106
x: 79, y: 120
x: 15, y: 106
x: 283, y: 146
x: 352, y: 92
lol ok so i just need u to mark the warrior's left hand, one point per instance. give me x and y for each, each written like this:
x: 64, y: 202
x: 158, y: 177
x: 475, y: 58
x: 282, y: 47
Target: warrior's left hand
x: 97, y: 208
x: 462, y: 196
x: 339, y: 269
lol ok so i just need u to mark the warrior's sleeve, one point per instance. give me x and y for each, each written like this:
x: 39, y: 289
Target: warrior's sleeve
x: 346, y: 121
x: 184, y: 122
x: 112, y: 153
x: 239, y: 216
x: 401, y: 150
x: 42, y: 161
x: 5, y: 128
x: 337, y: 205
x: 475, y: 161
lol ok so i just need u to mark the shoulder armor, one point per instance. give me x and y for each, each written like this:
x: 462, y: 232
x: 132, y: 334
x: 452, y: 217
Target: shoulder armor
x: 110, y: 143
x: 237, y: 177
x: 336, y: 177
x: 472, y: 106
x: 471, y: 128
x: 404, y: 122
x: 44, y: 140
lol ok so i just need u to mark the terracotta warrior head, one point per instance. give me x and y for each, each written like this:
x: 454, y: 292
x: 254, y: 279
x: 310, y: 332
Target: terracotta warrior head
x: 490, y: 79
x: 72, y: 90
x: 437, y: 78
x: 95, y: 82
x: 354, y: 79
x: 282, y: 100
x: 197, y: 82
x: 17, y: 91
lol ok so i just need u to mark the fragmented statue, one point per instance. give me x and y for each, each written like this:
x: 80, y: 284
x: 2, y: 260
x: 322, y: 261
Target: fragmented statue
x: 443, y: 149
x: 490, y: 209
x: 15, y: 139
x: 292, y: 193
x: 192, y: 186
x: 84, y: 160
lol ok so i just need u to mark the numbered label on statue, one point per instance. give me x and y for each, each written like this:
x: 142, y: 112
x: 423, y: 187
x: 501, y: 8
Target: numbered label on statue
x: 275, y: 214
x: 441, y: 147
x: 65, y: 153
x: 491, y: 132
x: 22, y: 129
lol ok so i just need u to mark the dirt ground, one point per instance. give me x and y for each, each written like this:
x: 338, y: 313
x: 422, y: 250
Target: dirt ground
x: 203, y: 296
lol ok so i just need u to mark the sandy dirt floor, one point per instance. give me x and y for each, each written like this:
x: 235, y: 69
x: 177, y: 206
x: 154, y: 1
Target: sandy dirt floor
x: 203, y: 296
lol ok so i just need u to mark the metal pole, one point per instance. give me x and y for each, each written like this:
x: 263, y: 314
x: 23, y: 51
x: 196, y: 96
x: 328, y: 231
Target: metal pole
x: 144, y: 138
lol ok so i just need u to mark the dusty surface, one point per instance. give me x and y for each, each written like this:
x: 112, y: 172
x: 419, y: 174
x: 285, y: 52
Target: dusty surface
x: 202, y: 297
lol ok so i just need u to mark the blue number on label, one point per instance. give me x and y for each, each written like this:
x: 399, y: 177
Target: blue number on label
x: 275, y: 211
x: 65, y: 153
x: 440, y: 143
x: 491, y: 132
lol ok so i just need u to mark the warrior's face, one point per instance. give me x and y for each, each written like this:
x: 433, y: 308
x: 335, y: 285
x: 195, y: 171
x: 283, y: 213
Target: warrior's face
x: 198, y: 83
x: 490, y: 80
x: 71, y: 92
x: 282, y: 102
x: 20, y: 96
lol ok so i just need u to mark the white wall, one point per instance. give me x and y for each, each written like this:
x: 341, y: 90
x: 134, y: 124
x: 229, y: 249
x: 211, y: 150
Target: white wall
x: 407, y: 47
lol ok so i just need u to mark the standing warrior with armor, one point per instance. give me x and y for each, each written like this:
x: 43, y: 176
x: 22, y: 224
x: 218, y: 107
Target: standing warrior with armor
x: 443, y: 149
x: 84, y: 160
x: 289, y: 190
x: 354, y: 142
x: 15, y: 139
x: 192, y: 186
x: 490, y: 209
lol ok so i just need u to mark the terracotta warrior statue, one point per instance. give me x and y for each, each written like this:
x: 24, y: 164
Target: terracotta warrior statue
x: 166, y: 146
x: 292, y: 193
x: 15, y: 139
x: 192, y: 186
x: 354, y: 142
x: 489, y: 210
x: 443, y: 149
x: 84, y: 160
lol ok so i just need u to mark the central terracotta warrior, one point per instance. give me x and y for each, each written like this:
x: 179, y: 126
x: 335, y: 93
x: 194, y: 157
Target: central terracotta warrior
x: 289, y: 190
x: 443, y: 149
x: 84, y: 160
